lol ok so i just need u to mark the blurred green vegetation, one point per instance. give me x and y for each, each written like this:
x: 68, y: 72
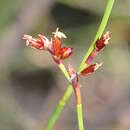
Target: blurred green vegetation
x: 8, y: 12
x: 106, y: 95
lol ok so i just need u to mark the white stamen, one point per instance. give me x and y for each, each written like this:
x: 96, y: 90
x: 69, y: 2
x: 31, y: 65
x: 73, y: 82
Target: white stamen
x: 47, y: 43
x: 59, y: 34
x: 107, y: 37
x: 97, y: 66
x: 27, y: 43
x: 28, y: 37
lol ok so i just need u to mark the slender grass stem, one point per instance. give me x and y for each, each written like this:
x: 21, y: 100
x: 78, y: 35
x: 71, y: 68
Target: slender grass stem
x: 64, y: 71
x: 79, y: 108
x: 80, y: 117
x: 62, y: 101
x: 59, y: 108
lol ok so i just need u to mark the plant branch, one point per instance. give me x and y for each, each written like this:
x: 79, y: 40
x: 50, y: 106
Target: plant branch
x: 64, y: 71
x: 99, y: 32
x: 79, y: 108
x: 59, y: 108
x: 80, y: 117
x: 69, y: 89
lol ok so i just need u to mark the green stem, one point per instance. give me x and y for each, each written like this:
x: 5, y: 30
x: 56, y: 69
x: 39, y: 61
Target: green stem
x: 64, y: 71
x: 59, y: 108
x: 99, y: 32
x: 79, y: 107
x: 80, y: 117
x: 62, y: 101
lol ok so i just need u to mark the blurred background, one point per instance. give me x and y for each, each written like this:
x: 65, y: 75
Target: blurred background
x: 30, y: 82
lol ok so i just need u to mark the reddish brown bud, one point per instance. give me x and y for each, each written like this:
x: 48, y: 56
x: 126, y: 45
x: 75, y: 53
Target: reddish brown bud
x: 33, y: 42
x: 41, y: 43
x: 100, y: 44
x: 56, y: 46
x: 66, y: 52
x: 103, y: 41
x: 47, y: 43
x: 58, y: 52
x: 90, y: 69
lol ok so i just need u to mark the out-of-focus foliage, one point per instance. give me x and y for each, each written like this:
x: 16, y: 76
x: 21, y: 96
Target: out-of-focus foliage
x: 8, y: 12
x: 122, y: 7
x: 31, y: 84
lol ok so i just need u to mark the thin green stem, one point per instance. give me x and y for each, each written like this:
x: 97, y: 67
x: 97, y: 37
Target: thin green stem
x: 80, y: 117
x: 59, y: 108
x: 64, y: 71
x: 99, y: 32
x: 79, y: 107
x: 62, y: 101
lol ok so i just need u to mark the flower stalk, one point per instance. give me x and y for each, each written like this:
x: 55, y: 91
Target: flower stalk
x: 76, y: 87
x: 79, y: 108
x: 64, y: 71
x: 52, y: 120
x: 80, y: 117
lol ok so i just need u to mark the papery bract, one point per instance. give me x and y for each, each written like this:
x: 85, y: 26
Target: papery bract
x: 103, y: 41
x: 66, y: 52
x: 90, y: 69
x: 41, y: 43
x: 99, y: 45
x: 73, y: 75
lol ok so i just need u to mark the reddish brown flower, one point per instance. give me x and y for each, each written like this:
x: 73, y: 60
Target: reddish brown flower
x: 100, y: 44
x: 54, y: 46
x: 60, y: 53
x: 90, y: 69
x: 66, y: 52
x: 103, y: 41
x: 41, y: 43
